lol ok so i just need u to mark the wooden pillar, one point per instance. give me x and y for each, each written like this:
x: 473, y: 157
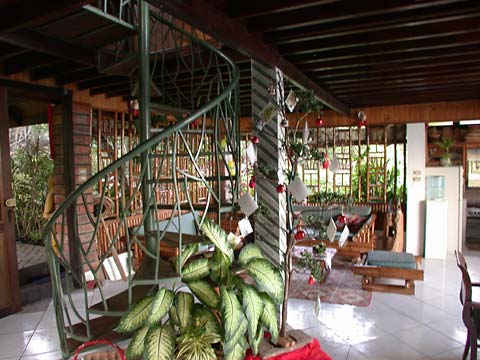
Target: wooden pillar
x: 269, y: 228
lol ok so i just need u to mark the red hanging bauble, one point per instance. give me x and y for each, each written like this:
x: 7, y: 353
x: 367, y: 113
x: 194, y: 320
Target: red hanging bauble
x: 326, y: 164
x: 299, y: 235
x: 281, y: 188
x: 311, y: 280
x: 254, y: 140
x: 319, y: 121
x: 342, y: 219
x: 252, y: 183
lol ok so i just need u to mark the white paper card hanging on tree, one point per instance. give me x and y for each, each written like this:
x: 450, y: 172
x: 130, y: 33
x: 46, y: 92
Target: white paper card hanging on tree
x: 306, y: 133
x: 268, y: 112
x: 281, y: 176
x: 343, y: 236
x: 291, y: 100
x: 251, y: 154
x: 318, y: 308
x: 334, y: 164
x: 245, y: 227
x: 233, y: 239
x: 298, y: 189
x: 331, y: 230
x: 248, y: 205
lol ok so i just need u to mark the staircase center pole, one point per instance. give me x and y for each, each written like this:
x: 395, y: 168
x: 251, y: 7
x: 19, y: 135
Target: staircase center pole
x: 144, y: 117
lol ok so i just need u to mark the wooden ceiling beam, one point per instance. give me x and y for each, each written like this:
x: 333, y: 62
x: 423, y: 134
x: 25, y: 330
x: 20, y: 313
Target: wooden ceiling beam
x: 51, y: 70
x: 74, y: 76
x: 28, y: 13
x: 24, y: 62
x: 392, y: 36
x: 408, y: 57
x: 385, y: 82
x: 447, y: 44
x: 235, y: 35
x: 338, y: 11
x: 253, y: 8
x: 35, y: 41
x: 376, y: 23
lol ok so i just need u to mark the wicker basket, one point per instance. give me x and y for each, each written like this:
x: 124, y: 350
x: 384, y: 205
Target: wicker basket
x: 116, y: 354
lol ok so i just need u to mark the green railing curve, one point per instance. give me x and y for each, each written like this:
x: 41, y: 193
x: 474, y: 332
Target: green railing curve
x: 185, y: 169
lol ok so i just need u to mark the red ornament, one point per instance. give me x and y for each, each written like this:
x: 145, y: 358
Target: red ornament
x: 319, y: 121
x: 311, y: 280
x: 342, y: 219
x: 252, y: 183
x: 363, y: 123
x: 254, y: 140
x: 281, y: 188
x: 300, y: 235
x: 326, y: 164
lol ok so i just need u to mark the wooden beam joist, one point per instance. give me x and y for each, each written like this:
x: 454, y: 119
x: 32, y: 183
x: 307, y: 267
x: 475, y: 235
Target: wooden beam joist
x: 337, y: 11
x: 35, y: 41
x: 235, y: 35
x: 253, y: 8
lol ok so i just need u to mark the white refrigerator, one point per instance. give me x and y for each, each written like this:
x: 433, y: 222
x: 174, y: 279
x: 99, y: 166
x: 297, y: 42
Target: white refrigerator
x: 444, y: 216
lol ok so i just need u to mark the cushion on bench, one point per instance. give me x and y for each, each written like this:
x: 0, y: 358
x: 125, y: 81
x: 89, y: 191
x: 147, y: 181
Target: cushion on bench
x: 383, y: 258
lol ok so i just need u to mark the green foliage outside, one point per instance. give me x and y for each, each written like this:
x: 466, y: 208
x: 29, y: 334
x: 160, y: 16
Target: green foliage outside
x: 31, y: 168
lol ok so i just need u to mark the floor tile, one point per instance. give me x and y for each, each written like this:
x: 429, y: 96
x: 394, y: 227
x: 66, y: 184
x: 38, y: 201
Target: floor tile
x: 452, y: 327
x: 335, y: 350
x: 392, y: 321
x: 20, y: 322
x: 387, y: 348
x: 55, y: 355
x: 13, y: 345
x: 43, y: 341
x: 454, y: 354
x: 354, y: 354
x: 422, y: 312
x: 426, y: 340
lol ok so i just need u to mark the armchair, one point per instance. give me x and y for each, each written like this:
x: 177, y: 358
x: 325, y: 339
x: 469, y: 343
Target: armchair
x: 471, y: 309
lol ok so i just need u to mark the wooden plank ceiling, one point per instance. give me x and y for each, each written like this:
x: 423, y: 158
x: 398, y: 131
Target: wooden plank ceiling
x: 355, y: 53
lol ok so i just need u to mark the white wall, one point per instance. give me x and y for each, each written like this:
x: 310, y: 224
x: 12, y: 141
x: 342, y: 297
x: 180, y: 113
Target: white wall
x: 415, y: 188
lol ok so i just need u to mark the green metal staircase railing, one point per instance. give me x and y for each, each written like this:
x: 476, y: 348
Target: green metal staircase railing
x: 193, y: 81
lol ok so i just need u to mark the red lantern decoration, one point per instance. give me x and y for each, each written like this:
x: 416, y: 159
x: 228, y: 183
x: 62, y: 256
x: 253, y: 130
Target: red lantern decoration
x: 135, y: 107
x: 326, y: 163
x: 342, y: 219
x: 319, y: 121
x: 252, y: 183
x: 299, y: 235
x: 254, y: 140
x: 311, y: 280
x: 281, y: 188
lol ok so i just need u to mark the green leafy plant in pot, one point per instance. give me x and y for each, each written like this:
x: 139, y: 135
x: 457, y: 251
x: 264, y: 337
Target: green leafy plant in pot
x: 445, y: 144
x: 236, y: 302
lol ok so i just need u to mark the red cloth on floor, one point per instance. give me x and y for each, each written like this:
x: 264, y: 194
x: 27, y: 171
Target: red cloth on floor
x: 311, y: 351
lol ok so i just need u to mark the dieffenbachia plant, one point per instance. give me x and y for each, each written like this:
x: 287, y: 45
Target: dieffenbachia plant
x: 224, y: 307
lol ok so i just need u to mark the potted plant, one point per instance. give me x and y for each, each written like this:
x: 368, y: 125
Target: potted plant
x: 445, y: 144
x: 237, y: 301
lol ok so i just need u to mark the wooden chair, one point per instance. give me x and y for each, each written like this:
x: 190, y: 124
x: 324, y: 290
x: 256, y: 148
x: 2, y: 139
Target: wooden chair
x: 471, y: 309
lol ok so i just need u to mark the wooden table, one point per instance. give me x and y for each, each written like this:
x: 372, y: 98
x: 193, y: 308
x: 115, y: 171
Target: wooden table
x: 325, y: 259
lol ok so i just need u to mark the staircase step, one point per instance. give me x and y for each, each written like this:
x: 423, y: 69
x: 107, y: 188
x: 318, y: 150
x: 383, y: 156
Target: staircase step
x: 101, y: 328
x: 146, y: 274
x: 198, y: 207
x: 117, y: 305
x: 181, y: 179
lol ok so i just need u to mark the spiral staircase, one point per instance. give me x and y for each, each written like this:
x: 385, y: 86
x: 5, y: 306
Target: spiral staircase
x: 186, y: 165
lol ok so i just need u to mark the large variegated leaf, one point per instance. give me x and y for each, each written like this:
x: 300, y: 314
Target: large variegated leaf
x: 136, y: 345
x: 232, y: 313
x: 255, y: 344
x: 238, y: 351
x: 195, y: 270
x: 136, y: 317
x: 205, y: 293
x: 187, y: 252
x: 269, y: 316
x: 204, y: 316
x: 253, y: 307
x: 249, y: 252
x: 218, y: 237
x: 183, y: 305
x: 230, y: 343
x: 173, y: 317
x: 220, y: 267
x: 160, y: 343
x: 267, y: 277
x: 161, y: 304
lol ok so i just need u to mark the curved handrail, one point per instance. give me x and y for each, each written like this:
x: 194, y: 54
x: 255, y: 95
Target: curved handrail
x: 219, y: 107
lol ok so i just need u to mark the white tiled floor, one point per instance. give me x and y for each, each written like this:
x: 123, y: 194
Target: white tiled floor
x: 424, y: 326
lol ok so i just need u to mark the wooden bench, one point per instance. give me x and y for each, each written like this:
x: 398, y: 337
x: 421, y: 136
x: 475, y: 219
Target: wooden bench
x: 389, y: 265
